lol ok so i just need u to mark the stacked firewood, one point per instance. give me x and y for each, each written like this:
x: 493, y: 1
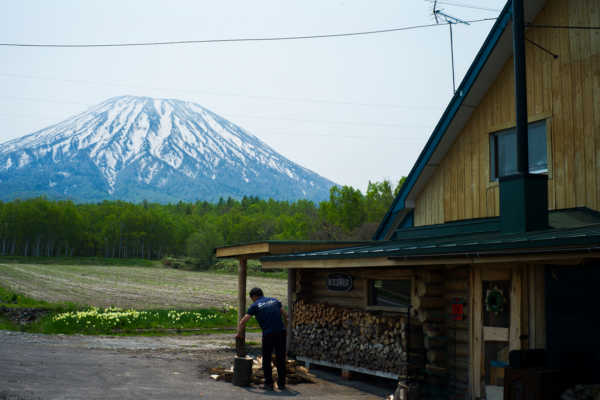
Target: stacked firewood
x: 294, y: 373
x: 352, y: 337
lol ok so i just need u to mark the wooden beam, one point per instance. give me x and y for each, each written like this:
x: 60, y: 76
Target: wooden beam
x: 531, y: 286
x: 525, y: 309
x: 242, y: 276
x: 386, y: 262
x: 291, y: 292
x: 516, y: 290
x: 476, y: 332
x: 256, y: 249
x: 489, y: 274
x: 540, y: 307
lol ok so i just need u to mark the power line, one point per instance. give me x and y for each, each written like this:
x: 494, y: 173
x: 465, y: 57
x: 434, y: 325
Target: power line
x: 264, y: 39
x: 464, y: 5
x: 264, y: 117
x: 359, y: 137
x: 275, y: 133
x: 353, y: 123
x: 38, y: 99
x: 212, y: 93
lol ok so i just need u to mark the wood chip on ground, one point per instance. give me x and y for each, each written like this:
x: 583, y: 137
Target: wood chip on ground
x: 294, y: 373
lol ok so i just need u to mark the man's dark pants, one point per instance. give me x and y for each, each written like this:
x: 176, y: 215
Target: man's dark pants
x: 275, y: 341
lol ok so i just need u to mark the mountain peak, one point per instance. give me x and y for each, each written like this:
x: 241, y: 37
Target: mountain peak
x: 134, y: 148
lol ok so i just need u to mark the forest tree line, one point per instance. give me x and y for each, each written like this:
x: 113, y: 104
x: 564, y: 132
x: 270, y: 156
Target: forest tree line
x: 42, y: 227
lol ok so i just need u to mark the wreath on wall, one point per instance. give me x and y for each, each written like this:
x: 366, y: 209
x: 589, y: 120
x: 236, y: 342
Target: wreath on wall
x: 495, y: 300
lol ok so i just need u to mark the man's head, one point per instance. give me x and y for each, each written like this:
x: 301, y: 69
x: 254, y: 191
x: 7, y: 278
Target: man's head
x: 256, y: 293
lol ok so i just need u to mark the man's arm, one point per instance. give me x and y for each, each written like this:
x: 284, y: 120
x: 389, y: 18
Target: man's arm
x: 242, y: 325
x: 285, y: 317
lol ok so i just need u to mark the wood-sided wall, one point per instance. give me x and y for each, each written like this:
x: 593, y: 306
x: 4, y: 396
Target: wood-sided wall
x: 564, y: 91
x: 311, y: 285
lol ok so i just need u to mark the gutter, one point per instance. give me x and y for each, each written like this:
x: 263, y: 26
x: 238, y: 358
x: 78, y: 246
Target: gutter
x: 481, y: 254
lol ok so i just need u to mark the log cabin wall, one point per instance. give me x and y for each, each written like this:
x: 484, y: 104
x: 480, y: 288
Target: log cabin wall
x: 311, y: 287
x: 341, y: 328
x: 324, y: 318
x: 457, y: 291
x: 563, y: 91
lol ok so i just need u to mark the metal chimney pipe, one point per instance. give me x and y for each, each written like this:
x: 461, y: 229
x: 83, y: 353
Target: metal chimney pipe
x: 520, y: 86
x: 523, y: 196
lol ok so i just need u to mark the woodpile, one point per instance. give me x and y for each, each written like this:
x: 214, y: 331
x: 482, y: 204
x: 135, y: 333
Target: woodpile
x: 294, y: 373
x: 352, y: 337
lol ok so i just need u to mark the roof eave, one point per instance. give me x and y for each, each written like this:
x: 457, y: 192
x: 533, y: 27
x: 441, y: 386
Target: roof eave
x: 455, y: 104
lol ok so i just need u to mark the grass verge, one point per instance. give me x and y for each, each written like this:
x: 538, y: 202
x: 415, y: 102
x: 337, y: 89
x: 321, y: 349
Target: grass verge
x: 68, y: 318
x: 98, y: 321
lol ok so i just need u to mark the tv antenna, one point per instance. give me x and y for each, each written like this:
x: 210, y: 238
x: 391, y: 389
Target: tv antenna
x: 450, y: 20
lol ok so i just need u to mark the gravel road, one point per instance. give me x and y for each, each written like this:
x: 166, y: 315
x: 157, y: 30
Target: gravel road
x: 44, y: 367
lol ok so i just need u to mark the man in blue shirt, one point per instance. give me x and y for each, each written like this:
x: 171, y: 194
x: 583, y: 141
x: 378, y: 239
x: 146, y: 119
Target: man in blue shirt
x: 268, y: 312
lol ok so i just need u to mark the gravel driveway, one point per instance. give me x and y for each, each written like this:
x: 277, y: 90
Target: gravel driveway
x: 34, y: 366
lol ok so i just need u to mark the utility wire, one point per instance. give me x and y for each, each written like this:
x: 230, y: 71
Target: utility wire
x: 464, y: 5
x: 39, y: 99
x: 210, y: 93
x: 302, y: 120
x: 264, y: 39
x: 320, y: 121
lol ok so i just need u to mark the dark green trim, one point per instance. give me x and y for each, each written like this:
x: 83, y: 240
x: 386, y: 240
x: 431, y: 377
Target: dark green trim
x: 551, y: 242
x: 455, y: 103
x: 471, y: 226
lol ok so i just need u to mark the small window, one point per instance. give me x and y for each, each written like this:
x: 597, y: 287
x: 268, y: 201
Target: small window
x: 503, y: 153
x: 390, y: 293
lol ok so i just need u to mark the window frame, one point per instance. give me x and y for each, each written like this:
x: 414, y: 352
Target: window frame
x: 506, y: 130
x: 369, y: 294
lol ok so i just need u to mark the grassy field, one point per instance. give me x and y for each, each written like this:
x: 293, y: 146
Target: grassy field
x: 150, y: 287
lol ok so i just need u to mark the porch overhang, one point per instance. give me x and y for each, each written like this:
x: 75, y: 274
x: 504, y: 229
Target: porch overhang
x: 255, y: 250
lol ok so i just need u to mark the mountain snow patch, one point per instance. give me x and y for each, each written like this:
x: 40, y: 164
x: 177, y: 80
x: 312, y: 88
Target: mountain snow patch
x: 135, y: 148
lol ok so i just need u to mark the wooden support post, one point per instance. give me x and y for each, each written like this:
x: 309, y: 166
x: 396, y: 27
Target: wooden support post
x: 476, y: 325
x: 540, y: 307
x: 515, y: 308
x: 242, y: 275
x: 291, y: 292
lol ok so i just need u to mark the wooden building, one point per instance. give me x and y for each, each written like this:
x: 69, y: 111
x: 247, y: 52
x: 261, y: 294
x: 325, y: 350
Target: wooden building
x: 469, y: 264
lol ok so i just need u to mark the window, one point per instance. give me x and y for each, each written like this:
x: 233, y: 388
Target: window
x: 503, y: 154
x: 390, y: 293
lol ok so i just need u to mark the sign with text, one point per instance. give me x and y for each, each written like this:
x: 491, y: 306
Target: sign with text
x: 339, y: 282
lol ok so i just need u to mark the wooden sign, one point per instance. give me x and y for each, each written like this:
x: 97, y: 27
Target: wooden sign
x: 339, y: 282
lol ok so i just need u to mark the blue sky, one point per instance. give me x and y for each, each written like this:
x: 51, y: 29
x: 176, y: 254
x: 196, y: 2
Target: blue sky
x: 352, y: 109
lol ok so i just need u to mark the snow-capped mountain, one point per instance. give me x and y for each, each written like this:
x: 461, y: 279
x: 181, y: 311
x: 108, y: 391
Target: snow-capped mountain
x: 135, y: 148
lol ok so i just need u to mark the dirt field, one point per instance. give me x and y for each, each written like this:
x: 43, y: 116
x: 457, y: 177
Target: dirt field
x: 131, y: 287
x: 49, y: 367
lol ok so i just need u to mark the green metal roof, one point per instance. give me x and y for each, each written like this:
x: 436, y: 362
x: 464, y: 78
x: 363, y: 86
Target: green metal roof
x: 571, y: 229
